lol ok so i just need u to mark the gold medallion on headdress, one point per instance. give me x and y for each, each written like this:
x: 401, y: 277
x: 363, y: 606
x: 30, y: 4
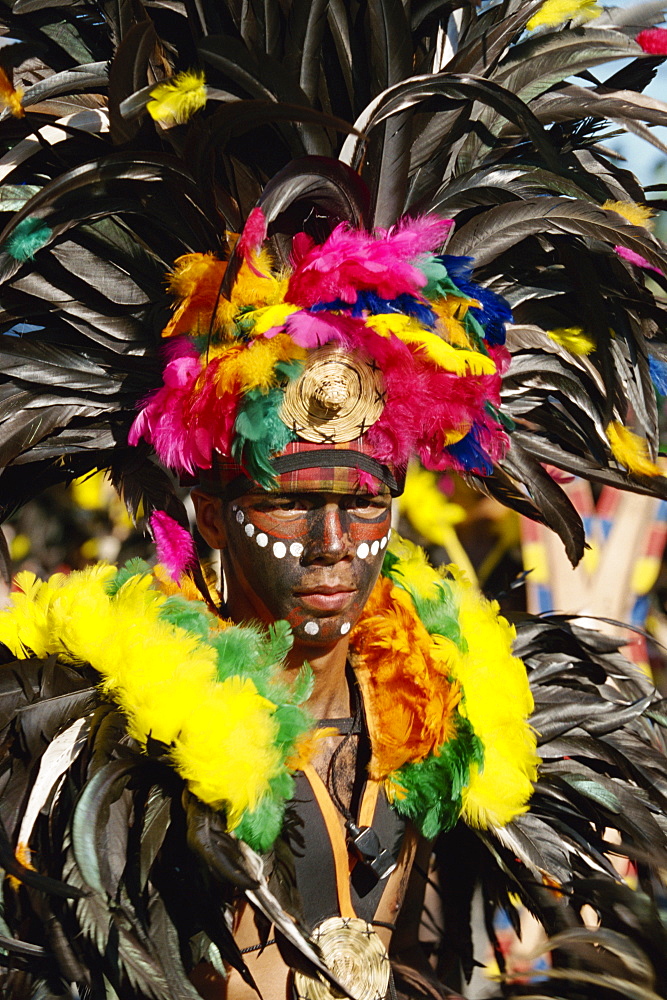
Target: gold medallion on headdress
x: 355, y: 955
x: 337, y: 397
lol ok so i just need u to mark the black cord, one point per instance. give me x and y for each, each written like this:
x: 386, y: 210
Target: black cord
x: 332, y: 777
x: 257, y: 947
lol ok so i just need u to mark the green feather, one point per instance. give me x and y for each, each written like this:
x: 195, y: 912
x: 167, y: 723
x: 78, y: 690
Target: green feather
x: 238, y: 650
x: 439, y: 616
x: 433, y: 787
x: 259, y: 433
x: 304, y: 683
x: 188, y: 615
x: 500, y: 415
x: 439, y: 284
x: 29, y: 236
x: 293, y: 722
x: 260, y: 828
x: 277, y: 643
x: 133, y: 567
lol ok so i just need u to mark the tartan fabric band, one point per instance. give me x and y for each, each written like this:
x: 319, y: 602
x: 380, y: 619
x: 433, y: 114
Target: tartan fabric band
x: 338, y: 468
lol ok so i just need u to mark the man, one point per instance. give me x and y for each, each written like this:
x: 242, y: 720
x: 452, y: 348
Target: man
x: 308, y: 573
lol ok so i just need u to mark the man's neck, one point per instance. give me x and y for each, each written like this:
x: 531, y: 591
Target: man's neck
x: 331, y: 697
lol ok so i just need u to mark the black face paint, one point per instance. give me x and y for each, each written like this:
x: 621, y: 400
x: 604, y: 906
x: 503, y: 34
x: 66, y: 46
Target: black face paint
x: 311, y: 558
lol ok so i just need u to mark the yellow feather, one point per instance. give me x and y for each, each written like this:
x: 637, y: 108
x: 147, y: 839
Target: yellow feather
x: 638, y: 215
x: 226, y: 748
x: 251, y: 289
x: 573, y: 339
x: 196, y: 282
x: 10, y: 96
x: 163, y: 678
x: 386, y: 324
x: 177, y: 100
x: 271, y: 316
x: 555, y: 12
x: 498, y: 702
x: 253, y: 367
x: 414, y: 569
x: 451, y: 313
x: 190, y: 269
x: 452, y: 359
x: 630, y: 450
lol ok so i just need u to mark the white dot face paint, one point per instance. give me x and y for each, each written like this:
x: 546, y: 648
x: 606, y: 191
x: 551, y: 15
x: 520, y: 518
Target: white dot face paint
x: 375, y: 547
x: 295, y: 549
x: 311, y: 628
x: 250, y: 529
x: 363, y: 550
x: 383, y: 543
x: 279, y: 549
x: 240, y: 516
x: 262, y: 540
x: 345, y: 628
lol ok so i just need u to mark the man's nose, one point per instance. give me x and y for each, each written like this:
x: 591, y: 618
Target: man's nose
x: 328, y: 540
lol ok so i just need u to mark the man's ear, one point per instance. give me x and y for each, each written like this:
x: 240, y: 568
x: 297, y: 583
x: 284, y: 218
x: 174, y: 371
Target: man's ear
x: 209, y: 518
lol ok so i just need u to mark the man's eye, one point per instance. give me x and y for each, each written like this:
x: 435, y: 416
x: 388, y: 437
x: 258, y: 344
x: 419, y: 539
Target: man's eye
x: 288, y: 506
x: 368, y: 506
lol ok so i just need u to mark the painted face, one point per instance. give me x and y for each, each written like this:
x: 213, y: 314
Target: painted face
x: 311, y: 558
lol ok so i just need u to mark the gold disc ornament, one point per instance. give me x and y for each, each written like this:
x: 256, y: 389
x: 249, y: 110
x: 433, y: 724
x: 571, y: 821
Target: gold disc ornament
x: 337, y: 397
x: 354, y: 954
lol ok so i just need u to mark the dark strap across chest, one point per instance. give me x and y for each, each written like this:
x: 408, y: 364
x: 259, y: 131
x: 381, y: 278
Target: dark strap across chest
x: 315, y: 862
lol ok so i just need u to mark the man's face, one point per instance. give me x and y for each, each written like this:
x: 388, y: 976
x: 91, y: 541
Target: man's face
x: 309, y: 557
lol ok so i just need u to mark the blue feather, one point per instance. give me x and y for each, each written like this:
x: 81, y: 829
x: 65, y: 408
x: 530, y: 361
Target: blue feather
x: 470, y: 455
x: 658, y: 370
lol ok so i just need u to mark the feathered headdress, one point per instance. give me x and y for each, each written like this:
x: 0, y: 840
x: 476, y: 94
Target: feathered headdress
x: 364, y: 336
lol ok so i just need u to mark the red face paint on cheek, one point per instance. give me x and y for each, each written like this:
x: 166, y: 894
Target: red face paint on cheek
x: 315, y: 568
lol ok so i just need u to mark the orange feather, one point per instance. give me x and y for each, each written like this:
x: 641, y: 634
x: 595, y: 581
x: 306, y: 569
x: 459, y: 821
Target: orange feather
x: 409, y: 700
x: 11, y: 98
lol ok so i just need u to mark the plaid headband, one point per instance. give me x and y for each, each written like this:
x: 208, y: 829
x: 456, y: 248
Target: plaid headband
x: 347, y: 467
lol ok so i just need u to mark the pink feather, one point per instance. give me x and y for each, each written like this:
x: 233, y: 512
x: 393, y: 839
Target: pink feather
x: 636, y: 258
x: 174, y: 544
x: 653, y: 40
x: 368, y: 482
x: 351, y: 260
x: 161, y: 421
x: 185, y: 419
x: 253, y: 235
x: 314, y: 329
x: 301, y: 244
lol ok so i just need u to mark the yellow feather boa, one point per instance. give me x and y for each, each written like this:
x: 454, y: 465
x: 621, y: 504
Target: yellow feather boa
x: 421, y: 685
x: 221, y: 733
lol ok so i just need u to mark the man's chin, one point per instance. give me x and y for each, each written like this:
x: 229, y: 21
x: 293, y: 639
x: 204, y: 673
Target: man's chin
x: 323, y: 630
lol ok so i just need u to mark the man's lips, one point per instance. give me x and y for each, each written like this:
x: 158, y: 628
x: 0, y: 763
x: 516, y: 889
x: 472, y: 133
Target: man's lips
x: 326, y: 597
